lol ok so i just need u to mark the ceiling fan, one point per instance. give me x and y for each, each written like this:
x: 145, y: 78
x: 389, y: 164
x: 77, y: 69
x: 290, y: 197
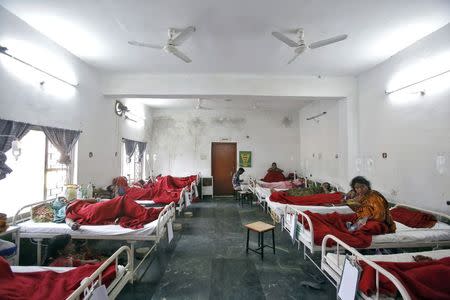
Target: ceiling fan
x: 199, y: 105
x: 300, y: 45
x: 176, y: 38
x: 120, y: 108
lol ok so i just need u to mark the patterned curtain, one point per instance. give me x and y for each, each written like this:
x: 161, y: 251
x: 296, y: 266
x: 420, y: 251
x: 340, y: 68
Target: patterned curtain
x: 130, y: 147
x: 9, y: 131
x: 64, y: 140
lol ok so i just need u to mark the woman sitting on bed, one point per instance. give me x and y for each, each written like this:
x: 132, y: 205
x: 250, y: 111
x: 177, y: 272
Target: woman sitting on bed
x: 369, y: 204
x: 120, y: 210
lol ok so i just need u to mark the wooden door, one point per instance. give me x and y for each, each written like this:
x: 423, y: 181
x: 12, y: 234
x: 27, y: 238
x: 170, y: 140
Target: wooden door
x: 223, y: 166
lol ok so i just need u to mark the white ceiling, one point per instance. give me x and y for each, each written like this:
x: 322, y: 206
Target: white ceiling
x: 233, y: 36
x: 245, y: 103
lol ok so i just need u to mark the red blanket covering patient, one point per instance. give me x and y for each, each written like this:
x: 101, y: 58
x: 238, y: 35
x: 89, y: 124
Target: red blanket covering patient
x: 335, y: 224
x: 273, y: 176
x: 316, y: 200
x: 166, y: 190
x: 47, y: 285
x: 422, y: 280
x: 127, y: 211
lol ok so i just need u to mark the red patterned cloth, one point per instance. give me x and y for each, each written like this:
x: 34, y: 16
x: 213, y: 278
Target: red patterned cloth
x: 47, y: 285
x: 316, y: 200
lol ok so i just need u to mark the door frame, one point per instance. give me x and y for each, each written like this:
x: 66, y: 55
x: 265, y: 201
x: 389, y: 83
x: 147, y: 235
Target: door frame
x: 235, y: 157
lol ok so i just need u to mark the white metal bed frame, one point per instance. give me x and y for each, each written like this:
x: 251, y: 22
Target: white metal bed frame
x: 333, y: 272
x: 309, y: 243
x: 89, y: 284
x: 165, y: 216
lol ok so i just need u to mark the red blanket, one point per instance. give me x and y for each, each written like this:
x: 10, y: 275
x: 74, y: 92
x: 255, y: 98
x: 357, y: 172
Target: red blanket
x: 160, y: 192
x: 413, y: 218
x: 317, y: 199
x: 334, y: 224
x: 129, y: 213
x: 272, y: 176
x: 47, y: 285
x: 422, y: 280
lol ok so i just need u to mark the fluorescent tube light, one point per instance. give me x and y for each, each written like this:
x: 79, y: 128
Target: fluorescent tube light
x: 415, y: 83
x: 3, y: 50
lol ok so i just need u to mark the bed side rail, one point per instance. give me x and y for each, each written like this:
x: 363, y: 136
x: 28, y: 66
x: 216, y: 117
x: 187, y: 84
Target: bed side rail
x: 358, y: 256
x: 168, y: 213
x: 88, y: 284
x: 439, y: 216
x: 304, y: 219
x: 24, y: 216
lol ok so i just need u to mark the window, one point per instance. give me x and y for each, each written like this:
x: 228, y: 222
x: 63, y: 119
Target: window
x: 25, y: 184
x: 36, y: 174
x: 133, y: 170
x: 56, y: 175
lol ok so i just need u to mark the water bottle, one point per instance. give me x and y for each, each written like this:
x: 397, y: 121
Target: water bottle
x: 89, y: 191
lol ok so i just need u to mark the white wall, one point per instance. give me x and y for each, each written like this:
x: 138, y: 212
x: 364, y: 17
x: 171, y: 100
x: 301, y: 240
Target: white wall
x: 182, y: 139
x: 323, y: 141
x: 83, y: 108
x: 410, y: 128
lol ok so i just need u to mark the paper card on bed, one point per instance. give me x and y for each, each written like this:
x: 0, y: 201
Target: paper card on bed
x: 100, y: 293
x: 349, y: 281
x: 169, y: 231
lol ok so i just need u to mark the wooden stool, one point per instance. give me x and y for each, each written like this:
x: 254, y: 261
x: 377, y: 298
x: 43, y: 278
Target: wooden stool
x: 260, y: 228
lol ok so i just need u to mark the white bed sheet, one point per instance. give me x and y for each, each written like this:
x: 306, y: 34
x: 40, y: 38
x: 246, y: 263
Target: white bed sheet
x: 30, y: 227
x: 27, y: 269
x: 399, y: 257
x: 404, y: 234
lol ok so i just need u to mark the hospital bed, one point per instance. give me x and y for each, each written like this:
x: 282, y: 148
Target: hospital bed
x: 404, y: 237
x: 278, y: 210
x: 180, y: 205
x: 87, y: 286
x: 153, y: 231
x: 332, y: 264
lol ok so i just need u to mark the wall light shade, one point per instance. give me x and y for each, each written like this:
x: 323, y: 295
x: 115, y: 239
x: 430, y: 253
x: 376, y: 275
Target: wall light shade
x: 388, y: 92
x: 4, y: 51
x: 15, y: 146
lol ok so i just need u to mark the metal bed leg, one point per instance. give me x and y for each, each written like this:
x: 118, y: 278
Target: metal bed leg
x: 132, y: 260
x: 16, y: 238
x: 39, y: 251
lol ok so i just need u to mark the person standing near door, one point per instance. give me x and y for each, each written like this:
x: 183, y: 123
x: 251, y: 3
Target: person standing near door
x: 236, y: 181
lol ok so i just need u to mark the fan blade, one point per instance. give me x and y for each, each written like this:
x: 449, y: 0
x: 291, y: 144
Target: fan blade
x: 182, y: 36
x: 178, y: 53
x: 332, y: 40
x: 139, y: 44
x: 285, y: 39
x: 293, y: 58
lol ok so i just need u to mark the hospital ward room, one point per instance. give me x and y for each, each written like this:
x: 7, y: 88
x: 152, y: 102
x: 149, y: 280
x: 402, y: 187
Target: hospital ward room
x: 256, y: 149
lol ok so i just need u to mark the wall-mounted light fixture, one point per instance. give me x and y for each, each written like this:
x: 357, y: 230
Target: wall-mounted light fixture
x: 15, y: 146
x: 3, y: 50
x: 415, y: 83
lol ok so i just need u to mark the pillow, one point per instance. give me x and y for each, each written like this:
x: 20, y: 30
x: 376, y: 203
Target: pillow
x: 42, y: 213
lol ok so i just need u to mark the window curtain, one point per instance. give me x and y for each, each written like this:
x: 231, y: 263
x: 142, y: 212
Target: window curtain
x: 130, y: 147
x: 9, y: 131
x: 141, y: 148
x: 64, y: 140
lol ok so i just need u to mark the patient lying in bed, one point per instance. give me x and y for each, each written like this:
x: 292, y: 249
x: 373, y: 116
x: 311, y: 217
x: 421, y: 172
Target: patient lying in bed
x: 120, y: 210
